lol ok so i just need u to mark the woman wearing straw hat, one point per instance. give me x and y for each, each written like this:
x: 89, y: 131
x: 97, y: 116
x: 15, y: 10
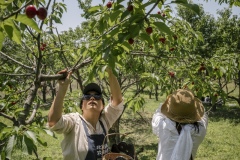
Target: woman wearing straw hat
x: 180, y: 124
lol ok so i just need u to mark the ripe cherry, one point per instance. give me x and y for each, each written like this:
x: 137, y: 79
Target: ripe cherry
x: 149, y: 30
x: 130, y: 8
x: 130, y: 41
x: 171, y: 74
x: 31, y: 11
x: 42, y: 13
x: 162, y: 39
x: 109, y: 4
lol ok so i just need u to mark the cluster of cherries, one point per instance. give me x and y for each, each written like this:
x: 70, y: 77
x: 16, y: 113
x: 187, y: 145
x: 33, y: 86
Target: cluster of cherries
x: 31, y: 11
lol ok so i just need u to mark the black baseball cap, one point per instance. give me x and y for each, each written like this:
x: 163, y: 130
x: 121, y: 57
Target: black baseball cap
x: 92, y: 87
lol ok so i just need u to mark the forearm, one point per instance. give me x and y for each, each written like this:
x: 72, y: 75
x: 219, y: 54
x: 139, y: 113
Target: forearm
x: 55, y: 111
x: 115, y: 89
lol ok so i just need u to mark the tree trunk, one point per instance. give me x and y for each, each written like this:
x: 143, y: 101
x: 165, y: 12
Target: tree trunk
x: 114, y: 139
x: 156, y: 92
x: 28, y: 103
x: 44, y: 92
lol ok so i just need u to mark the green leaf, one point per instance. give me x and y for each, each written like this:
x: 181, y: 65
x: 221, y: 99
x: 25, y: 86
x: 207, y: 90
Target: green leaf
x: 124, y: 15
x: 115, y: 15
x: 94, y: 9
x: 25, y: 20
x: 146, y: 37
x: 10, y: 146
x: 17, y: 69
x: 12, y: 31
x: 42, y: 142
x: 193, y: 7
x: 31, y: 135
x: 114, y: 31
x: 49, y: 132
x: 6, y: 2
x: 163, y: 27
x: 1, y: 38
x: 28, y: 145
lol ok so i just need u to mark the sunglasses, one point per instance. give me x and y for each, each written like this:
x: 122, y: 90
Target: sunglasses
x: 88, y: 96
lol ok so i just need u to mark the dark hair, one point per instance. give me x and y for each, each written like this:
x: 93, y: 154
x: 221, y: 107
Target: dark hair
x: 195, y: 125
x: 81, y: 102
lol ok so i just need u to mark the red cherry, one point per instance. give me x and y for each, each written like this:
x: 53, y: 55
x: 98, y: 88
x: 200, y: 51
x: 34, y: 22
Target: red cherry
x: 130, y: 8
x: 172, y: 49
x: 42, y: 48
x: 149, y: 30
x: 130, y: 41
x: 13, y: 103
x: 171, y: 74
x: 162, y: 39
x: 163, y: 14
x: 109, y: 4
x: 159, y: 12
x: 44, y: 44
x: 31, y: 11
x: 202, y: 68
x: 42, y: 13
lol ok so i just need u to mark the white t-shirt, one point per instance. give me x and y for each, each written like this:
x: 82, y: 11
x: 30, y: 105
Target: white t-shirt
x: 171, y: 145
x: 75, y: 145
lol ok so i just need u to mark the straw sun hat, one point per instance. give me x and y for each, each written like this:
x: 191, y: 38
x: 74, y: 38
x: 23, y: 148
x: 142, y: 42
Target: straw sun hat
x: 181, y: 106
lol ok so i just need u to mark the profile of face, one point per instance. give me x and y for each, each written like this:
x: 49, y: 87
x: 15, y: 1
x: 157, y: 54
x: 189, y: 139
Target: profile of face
x: 92, y: 101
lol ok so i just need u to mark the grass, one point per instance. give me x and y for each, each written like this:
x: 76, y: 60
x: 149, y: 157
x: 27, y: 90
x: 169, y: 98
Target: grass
x: 222, y: 141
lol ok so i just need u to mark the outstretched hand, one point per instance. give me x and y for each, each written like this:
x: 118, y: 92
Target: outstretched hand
x: 66, y: 80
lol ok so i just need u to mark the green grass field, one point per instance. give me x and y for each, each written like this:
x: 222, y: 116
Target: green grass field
x: 222, y: 141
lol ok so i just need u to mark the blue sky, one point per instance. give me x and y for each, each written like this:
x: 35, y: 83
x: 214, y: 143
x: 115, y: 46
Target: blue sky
x: 72, y: 18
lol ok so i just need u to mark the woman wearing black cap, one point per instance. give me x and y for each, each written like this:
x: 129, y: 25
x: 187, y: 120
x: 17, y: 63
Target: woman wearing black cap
x: 84, y: 134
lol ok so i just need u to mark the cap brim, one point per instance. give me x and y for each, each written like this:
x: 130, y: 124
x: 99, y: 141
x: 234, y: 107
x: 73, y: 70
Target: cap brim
x: 92, y: 87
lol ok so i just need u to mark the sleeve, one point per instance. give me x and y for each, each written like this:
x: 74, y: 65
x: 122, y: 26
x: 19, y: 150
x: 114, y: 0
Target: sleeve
x: 112, y: 113
x: 157, y: 120
x: 204, y: 120
x: 65, y: 124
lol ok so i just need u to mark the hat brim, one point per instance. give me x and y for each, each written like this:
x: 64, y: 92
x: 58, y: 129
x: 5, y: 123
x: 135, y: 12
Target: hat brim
x: 165, y: 109
x: 92, y: 87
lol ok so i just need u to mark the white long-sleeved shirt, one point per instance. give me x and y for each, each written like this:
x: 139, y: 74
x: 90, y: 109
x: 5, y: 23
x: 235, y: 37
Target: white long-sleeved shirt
x: 75, y: 145
x: 171, y: 145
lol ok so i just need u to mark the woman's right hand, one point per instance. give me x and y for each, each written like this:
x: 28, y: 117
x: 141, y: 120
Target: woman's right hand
x: 66, y: 81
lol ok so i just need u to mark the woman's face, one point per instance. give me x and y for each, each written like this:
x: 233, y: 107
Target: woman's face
x: 92, y: 102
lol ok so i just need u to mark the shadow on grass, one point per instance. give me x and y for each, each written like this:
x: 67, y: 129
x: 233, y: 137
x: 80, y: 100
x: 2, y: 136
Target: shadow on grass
x: 232, y: 114
x: 144, y: 152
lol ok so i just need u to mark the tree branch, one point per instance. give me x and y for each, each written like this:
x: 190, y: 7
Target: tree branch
x: 8, y: 117
x: 19, y: 63
x: 30, y: 120
x: 43, y: 77
x: 10, y: 74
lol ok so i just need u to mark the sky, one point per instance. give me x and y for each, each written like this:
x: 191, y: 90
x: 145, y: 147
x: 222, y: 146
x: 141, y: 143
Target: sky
x: 72, y: 18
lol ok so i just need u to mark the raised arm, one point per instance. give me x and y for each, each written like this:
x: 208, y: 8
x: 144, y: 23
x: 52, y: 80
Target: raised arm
x: 55, y: 112
x: 116, y: 94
